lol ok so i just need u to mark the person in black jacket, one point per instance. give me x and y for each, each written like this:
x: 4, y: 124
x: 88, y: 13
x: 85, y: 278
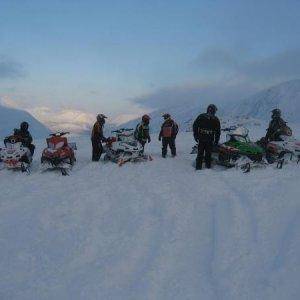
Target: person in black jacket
x: 168, y: 133
x: 275, y: 126
x: 207, y: 131
x: 25, y: 135
x: 97, y: 137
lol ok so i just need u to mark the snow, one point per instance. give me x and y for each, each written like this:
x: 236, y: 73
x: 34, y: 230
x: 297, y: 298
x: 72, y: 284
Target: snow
x: 155, y: 230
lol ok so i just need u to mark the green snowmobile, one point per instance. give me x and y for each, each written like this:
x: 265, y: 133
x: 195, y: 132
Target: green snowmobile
x: 238, y: 150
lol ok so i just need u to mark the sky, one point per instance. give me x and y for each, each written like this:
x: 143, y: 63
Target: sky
x: 115, y: 57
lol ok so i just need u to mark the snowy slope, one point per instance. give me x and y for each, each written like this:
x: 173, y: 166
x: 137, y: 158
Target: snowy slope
x: 257, y: 107
x: 11, y: 118
x: 155, y: 230
x: 285, y: 96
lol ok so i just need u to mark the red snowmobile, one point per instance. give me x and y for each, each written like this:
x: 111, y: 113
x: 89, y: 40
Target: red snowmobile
x: 59, y: 153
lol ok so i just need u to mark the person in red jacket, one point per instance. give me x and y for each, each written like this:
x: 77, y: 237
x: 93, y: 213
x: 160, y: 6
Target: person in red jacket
x: 167, y: 135
x: 97, y: 137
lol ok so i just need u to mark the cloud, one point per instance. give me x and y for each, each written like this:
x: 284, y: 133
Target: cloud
x: 226, y: 76
x: 239, y: 65
x: 10, y: 69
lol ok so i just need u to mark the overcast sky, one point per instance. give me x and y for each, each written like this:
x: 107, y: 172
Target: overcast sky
x: 98, y: 55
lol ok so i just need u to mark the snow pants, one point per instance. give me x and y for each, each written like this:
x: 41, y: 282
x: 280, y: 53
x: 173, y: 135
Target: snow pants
x: 31, y: 148
x: 204, y: 151
x: 97, y: 150
x: 168, y: 141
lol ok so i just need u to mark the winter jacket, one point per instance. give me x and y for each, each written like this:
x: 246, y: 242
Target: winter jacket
x: 142, y: 133
x: 25, y: 135
x: 97, y: 133
x: 169, y: 129
x: 207, y: 128
x: 274, y: 128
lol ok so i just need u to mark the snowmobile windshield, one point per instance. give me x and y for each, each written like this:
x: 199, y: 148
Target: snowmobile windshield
x: 239, y: 138
x: 55, y: 146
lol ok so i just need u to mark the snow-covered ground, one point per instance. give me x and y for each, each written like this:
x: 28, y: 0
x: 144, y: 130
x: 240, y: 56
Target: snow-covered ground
x: 156, y: 230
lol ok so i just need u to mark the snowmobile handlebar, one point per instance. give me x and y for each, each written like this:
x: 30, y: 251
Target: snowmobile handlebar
x: 230, y: 128
x: 121, y: 130
x: 59, y: 133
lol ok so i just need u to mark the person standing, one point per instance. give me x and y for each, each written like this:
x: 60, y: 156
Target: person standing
x: 97, y: 137
x: 168, y: 133
x: 142, y: 131
x: 207, y: 131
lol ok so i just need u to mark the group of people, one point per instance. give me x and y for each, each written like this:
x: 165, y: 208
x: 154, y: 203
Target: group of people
x: 206, y: 131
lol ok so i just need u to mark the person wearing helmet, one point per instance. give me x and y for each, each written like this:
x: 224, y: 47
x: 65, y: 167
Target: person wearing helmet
x: 168, y: 133
x: 276, y: 125
x: 25, y: 135
x: 97, y: 137
x: 207, y: 131
x: 142, y: 131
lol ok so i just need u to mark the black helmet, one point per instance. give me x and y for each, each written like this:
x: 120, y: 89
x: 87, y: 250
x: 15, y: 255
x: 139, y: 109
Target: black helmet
x: 211, y: 109
x: 24, y: 126
x: 101, y: 118
x: 166, y: 116
x: 276, y: 112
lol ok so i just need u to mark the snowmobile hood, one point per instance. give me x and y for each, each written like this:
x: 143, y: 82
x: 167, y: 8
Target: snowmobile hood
x: 246, y: 148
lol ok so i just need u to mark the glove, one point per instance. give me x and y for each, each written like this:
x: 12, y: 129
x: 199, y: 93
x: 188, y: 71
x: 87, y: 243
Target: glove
x: 159, y: 138
x: 149, y: 139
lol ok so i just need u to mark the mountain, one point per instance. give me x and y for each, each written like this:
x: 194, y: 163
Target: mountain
x: 11, y: 118
x: 285, y: 96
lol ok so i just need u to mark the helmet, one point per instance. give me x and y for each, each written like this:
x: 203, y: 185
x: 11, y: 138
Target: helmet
x: 276, y: 112
x: 166, y: 116
x: 146, y: 118
x: 24, y: 126
x: 101, y: 118
x: 211, y: 109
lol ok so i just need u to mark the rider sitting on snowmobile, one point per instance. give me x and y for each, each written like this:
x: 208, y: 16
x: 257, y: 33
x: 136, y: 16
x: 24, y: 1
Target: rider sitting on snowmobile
x: 168, y: 133
x: 25, y: 136
x: 207, y: 131
x: 142, y: 131
x: 97, y: 137
x: 276, y: 126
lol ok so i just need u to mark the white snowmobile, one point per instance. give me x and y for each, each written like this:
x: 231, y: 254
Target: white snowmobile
x: 285, y: 148
x: 123, y: 147
x: 15, y: 155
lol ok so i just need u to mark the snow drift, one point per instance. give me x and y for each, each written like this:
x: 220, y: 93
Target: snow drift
x: 156, y: 230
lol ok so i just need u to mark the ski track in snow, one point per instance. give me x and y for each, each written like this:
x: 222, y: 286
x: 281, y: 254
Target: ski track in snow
x: 155, y: 230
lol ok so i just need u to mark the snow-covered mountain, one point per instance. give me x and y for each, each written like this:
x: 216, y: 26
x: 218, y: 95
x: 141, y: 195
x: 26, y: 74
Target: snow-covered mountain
x: 285, y: 96
x: 10, y: 118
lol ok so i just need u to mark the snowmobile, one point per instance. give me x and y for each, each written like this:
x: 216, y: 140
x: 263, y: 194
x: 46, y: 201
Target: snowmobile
x: 285, y: 148
x: 238, y: 151
x: 122, y: 147
x: 59, y: 154
x: 15, y: 155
